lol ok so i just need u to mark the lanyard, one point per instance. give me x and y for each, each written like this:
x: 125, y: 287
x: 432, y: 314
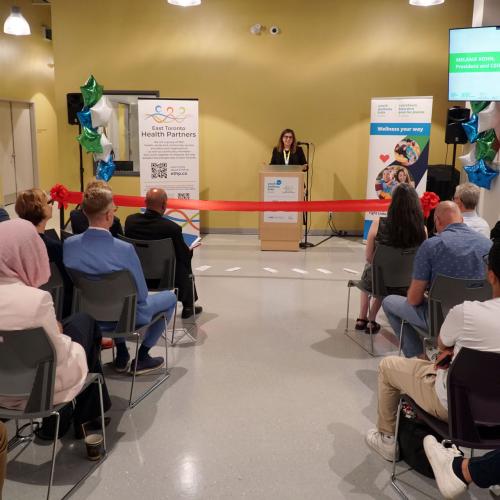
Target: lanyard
x: 287, y: 156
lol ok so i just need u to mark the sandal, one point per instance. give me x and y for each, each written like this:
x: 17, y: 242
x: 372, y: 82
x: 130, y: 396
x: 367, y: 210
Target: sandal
x: 375, y: 327
x: 361, y: 324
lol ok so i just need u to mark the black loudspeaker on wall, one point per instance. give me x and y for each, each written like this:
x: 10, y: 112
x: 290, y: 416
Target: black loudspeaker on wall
x: 75, y: 104
x: 455, y: 134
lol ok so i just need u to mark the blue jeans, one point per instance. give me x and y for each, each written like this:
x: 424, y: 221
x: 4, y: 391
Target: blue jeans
x: 396, y: 309
x: 155, y: 303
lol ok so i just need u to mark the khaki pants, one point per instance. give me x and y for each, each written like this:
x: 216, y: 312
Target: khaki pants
x: 415, y: 377
x: 3, y: 454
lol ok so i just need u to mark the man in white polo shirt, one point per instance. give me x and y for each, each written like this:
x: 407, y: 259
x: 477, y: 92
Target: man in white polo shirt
x: 471, y: 324
x: 467, y: 198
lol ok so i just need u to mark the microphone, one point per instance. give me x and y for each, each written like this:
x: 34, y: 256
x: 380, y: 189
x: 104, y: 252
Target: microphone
x: 299, y: 143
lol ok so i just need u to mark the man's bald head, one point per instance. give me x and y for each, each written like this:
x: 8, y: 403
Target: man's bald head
x: 156, y: 199
x: 446, y: 213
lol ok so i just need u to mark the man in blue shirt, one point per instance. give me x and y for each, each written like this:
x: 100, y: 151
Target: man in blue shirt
x: 96, y: 252
x: 456, y: 252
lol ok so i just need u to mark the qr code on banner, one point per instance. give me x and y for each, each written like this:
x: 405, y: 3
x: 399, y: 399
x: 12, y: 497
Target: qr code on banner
x: 183, y: 196
x: 159, y: 171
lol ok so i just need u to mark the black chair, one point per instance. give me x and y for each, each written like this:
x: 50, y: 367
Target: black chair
x: 55, y: 286
x: 391, y: 269
x: 30, y: 373
x: 112, y: 298
x: 446, y: 293
x: 473, y: 386
x: 65, y: 234
x: 158, y: 264
x: 157, y: 261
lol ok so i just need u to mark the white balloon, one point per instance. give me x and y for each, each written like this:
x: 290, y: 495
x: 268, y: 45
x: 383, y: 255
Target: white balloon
x: 470, y: 158
x: 107, y: 147
x: 489, y: 117
x: 101, y: 112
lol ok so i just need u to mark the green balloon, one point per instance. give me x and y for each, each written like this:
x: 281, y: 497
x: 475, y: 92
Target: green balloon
x: 487, y: 146
x: 478, y: 106
x: 90, y: 140
x: 91, y: 91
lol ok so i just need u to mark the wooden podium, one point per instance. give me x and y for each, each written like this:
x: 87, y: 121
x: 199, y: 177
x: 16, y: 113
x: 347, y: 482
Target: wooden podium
x: 281, y: 230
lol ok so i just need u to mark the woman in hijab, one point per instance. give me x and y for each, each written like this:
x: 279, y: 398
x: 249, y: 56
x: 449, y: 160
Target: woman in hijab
x: 24, y: 266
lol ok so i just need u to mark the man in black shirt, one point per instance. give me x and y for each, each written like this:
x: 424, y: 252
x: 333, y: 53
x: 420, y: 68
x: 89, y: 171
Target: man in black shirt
x: 151, y: 225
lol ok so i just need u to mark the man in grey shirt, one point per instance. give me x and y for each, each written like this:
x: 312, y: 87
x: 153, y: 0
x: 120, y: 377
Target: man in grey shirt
x: 467, y: 198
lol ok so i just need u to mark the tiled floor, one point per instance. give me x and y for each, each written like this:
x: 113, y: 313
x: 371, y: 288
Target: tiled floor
x: 271, y: 403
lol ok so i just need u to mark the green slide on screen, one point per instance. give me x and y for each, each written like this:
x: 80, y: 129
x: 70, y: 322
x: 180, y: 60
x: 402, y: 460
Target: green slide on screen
x: 475, y: 62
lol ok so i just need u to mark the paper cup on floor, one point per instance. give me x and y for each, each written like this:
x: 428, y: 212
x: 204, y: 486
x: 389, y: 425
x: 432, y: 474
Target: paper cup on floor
x: 94, y: 445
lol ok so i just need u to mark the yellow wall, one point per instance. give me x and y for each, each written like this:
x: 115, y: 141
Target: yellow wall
x: 317, y: 76
x: 27, y: 74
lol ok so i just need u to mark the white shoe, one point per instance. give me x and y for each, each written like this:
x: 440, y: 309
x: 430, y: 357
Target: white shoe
x: 385, y: 446
x: 441, y: 459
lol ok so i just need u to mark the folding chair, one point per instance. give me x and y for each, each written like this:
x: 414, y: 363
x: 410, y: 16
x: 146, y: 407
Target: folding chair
x: 446, y: 293
x: 27, y: 370
x: 391, y: 268
x: 473, y: 385
x: 55, y: 286
x: 158, y: 264
x: 113, y: 298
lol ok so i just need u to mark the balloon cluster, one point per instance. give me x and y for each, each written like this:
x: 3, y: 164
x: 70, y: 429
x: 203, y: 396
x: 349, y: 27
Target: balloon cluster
x: 480, y: 131
x: 93, y: 118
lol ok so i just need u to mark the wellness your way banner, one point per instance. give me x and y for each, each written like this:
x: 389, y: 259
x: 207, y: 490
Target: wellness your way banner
x: 399, y: 148
x: 169, y: 153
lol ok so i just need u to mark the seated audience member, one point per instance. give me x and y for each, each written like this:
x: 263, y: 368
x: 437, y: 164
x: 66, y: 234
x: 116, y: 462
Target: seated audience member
x: 467, y: 197
x: 80, y: 223
x: 471, y: 324
x: 152, y: 226
x: 457, y: 251
x: 3, y: 215
x: 3, y: 454
x: 97, y: 252
x: 33, y: 205
x: 403, y: 228
x: 495, y: 232
x: 24, y: 266
x: 454, y: 472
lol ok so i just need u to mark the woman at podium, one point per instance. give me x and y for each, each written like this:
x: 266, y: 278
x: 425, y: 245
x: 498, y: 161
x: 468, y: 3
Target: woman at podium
x: 287, y: 152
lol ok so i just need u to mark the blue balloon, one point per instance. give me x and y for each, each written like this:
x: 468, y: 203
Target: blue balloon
x: 84, y: 118
x: 470, y: 128
x: 105, y: 169
x: 481, y: 174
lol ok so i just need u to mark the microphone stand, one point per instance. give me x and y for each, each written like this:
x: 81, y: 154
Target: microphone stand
x: 305, y: 243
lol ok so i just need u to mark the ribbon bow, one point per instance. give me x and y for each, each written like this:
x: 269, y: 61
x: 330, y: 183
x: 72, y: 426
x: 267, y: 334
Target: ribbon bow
x: 60, y: 194
x: 429, y: 201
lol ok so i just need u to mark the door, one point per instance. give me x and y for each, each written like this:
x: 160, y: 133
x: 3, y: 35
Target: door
x: 16, y: 148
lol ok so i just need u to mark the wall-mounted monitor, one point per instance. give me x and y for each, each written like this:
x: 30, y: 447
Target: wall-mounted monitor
x: 474, y: 64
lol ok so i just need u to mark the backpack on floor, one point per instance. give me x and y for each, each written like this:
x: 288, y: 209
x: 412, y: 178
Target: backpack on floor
x: 412, y: 432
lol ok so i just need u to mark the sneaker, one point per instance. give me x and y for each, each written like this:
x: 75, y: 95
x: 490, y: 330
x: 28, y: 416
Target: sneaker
x: 187, y: 312
x: 121, y: 363
x: 441, y: 460
x: 385, y: 446
x: 146, y: 365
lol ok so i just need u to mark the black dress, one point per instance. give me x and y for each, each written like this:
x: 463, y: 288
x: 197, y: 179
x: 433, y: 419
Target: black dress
x: 297, y: 158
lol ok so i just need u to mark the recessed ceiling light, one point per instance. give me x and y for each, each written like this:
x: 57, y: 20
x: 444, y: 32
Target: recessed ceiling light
x: 184, y: 3
x: 425, y: 3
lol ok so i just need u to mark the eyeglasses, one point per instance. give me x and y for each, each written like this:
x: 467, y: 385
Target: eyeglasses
x: 486, y: 259
x: 288, y: 137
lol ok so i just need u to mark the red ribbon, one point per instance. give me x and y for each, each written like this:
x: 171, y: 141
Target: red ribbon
x: 429, y: 202
x: 75, y: 197
x: 60, y: 194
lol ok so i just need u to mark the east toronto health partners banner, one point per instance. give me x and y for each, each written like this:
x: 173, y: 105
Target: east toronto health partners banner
x: 399, y: 147
x: 169, y: 153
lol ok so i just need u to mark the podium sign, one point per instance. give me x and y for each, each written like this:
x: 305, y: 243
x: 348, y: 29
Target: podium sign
x: 281, y: 230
